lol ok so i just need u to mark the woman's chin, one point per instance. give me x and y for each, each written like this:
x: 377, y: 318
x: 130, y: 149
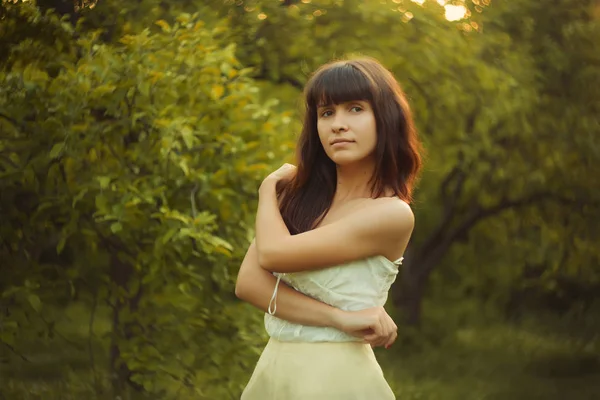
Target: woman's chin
x: 342, y: 159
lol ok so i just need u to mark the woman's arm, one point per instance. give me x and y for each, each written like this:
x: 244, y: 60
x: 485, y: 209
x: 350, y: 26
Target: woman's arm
x: 255, y: 286
x: 370, y: 231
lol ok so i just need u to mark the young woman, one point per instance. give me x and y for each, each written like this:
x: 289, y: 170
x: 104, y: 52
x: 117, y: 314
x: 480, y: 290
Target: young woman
x: 335, y: 229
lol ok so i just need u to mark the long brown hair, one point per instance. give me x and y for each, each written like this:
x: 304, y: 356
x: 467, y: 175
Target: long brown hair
x: 306, y: 199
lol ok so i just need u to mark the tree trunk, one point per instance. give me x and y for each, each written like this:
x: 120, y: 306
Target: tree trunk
x: 119, y: 375
x: 419, y: 264
x: 121, y: 275
x: 409, y: 296
x: 409, y: 291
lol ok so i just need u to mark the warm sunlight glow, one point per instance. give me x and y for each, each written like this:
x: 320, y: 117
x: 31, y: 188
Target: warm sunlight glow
x: 440, y: 2
x: 454, y: 13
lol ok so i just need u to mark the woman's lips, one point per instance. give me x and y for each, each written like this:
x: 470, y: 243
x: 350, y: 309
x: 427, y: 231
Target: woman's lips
x: 341, y: 143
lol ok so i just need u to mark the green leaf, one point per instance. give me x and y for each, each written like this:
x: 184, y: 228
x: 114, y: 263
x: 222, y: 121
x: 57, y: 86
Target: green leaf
x: 10, y: 324
x: 144, y: 88
x: 61, y: 244
x: 184, y: 166
x: 188, y: 136
x: 7, y: 337
x: 101, y: 202
x: 104, y: 181
x: 184, y: 287
x: 218, y: 242
x: 217, y: 91
x: 116, y: 227
x: 56, y: 150
x: 163, y: 25
x: 34, y: 301
x: 169, y: 235
x: 79, y: 197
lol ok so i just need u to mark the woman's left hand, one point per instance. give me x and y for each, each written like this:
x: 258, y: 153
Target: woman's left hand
x: 373, y: 325
x: 285, y: 172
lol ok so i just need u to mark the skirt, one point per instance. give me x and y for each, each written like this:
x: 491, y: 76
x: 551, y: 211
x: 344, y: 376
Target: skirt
x: 317, y: 371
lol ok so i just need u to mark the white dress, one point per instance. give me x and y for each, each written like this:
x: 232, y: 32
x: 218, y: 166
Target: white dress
x: 322, y: 363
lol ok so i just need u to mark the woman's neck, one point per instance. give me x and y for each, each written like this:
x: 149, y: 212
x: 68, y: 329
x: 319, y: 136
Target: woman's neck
x: 353, y: 182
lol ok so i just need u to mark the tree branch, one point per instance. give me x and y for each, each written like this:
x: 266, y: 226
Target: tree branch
x: 91, y: 339
x: 50, y: 326
x: 9, y: 161
x: 457, y: 174
x: 428, y: 102
x: 12, y: 349
x: 14, y: 123
x: 123, y: 162
x: 437, y: 248
x: 11, y: 120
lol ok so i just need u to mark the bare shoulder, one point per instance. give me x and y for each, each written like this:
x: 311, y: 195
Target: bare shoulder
x: 392, y: 215
x: 394, y: 203
x: 396, y: 211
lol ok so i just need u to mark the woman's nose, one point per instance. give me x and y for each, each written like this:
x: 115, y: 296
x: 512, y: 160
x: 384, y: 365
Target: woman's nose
x: 339, y: 122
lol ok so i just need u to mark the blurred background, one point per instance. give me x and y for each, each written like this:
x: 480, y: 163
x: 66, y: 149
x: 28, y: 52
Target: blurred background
x: 133, y: 138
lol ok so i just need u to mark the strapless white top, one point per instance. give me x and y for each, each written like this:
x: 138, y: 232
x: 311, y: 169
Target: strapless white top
x: 351, y: 286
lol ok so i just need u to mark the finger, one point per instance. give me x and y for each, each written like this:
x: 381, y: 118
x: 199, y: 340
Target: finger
x: 366, y: 335
x: 393, y: 333
x: 392, y: 340
x: 378, y: 340
x: 387, y: 330
x: 380, y: 329
x: 374, y: 339
x: 361, y: 333
x: 379, y: 337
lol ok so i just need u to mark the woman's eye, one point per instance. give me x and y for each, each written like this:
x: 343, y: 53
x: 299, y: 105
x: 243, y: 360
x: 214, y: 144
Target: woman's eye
x: 356, y: 108
x: 325, y: 113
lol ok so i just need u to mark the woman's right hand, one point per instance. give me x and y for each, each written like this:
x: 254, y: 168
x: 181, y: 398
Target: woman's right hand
x: 374, y: 325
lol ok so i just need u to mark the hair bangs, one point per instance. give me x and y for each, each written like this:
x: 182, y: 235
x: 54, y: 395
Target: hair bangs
x: 339, y: 84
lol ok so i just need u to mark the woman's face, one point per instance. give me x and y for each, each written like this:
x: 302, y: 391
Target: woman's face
x: 347, y: 131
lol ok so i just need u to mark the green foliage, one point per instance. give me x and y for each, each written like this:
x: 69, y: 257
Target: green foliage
x: 141, y: 161
x: 132, y: 143
x: 29, y: 35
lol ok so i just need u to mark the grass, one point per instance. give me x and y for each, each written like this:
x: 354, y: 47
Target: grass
x: 493, y: 361
x: 497, y: 362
